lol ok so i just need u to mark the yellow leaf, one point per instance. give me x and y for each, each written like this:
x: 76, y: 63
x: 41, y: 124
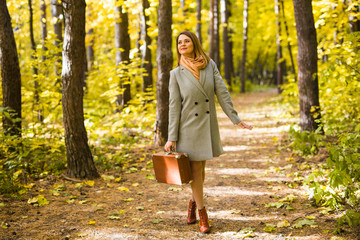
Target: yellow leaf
x: 92, y: 222
x: 90, y: 183
x: 128, y: 199
x: 123, y: 189
x: 283, y: 223
x: 135, y: 184
x: 117, y: 179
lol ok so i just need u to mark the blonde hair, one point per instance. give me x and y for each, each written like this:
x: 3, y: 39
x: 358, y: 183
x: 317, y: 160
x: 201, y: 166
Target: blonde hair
x: 197, y: 46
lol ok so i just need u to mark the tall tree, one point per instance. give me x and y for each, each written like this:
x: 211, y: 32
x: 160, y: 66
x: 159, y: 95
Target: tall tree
x: 279, y: 55
x: 10, y: 73
x: 214, y: 32
x: 354, y: 18
x: 43, y: 26
x: 198, y: 20
x: 288, y: 39
x: 80, y: 162
x: 228, y: 57
x: 164, y: 59
x: 122, y: 44
x: 35, y: 69
x: 244, y: 50
x: 90, y: 46
x: 307, y: 65
x: 146, y: 51
x: 57, y: 12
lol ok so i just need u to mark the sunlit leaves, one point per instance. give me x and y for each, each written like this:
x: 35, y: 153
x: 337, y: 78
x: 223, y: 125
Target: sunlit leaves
x: 39, y: 200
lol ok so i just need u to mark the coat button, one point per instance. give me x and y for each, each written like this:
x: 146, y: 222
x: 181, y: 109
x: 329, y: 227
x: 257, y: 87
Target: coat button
x: 196, y: 114
x: 196, y: 103
x: 207, y: 112
x: 207, y: 100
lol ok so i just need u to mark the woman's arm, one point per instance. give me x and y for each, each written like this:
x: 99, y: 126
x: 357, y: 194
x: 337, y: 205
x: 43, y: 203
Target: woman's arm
x: 224, y: 99
x: 174, y: 108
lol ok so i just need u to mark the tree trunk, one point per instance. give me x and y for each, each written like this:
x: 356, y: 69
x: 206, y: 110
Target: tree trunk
x: 214, y: 32
x: 43, y: 26
x: 198, y: 18
x: 146, y: 55
x: 279, y: 55
x: 307, y: 65
x: 244, y: 50
x: 56, y: 12
x: 10, y: 74
x: 164, y: 59
x: 35, y: 69
x: 90, y: 46
x: 226, y: 42
x: 79, y: 159
x: 354, y: 19
x: 122, y: 41
x: 288, y: 40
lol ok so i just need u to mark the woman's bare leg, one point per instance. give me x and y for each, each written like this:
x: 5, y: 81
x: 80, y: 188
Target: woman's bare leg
x: 197, y: 185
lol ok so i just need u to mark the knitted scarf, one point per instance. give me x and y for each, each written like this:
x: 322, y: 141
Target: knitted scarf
x: 194, y: 65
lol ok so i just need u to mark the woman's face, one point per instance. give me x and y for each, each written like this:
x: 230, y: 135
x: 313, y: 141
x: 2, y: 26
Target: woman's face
x: 185, y: 46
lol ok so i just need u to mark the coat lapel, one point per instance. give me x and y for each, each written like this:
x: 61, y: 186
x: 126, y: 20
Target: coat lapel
x: 193, y: 79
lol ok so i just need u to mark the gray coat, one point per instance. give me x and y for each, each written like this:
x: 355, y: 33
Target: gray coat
x: 193, y: 123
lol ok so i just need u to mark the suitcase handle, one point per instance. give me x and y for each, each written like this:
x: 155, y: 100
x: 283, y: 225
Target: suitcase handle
x: 178, y: 155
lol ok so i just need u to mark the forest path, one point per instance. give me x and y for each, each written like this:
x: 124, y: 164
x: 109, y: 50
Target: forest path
x: 254, y: 170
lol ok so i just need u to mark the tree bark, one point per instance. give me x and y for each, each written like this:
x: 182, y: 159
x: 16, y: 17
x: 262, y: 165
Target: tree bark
x: 79, y: 159
x: 10, y: 74
x: 214, y: 32
x: 288, y: 41
x: 244, y: 50
x: 279, y: 55
x: 43, y: 26
x: 90, y: 46
x: 122, y: 41
x: 307, y: 65
x: 164, y: 59
x: 56, y: 12
x: 354, y: 21
x: 146, y: 51
x: 35, y: 69
x: 228, y: 62
x: 198, y: 18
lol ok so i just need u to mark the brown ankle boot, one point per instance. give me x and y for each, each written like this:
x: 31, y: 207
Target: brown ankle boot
x: 191, y: 212
x: 204, y: 221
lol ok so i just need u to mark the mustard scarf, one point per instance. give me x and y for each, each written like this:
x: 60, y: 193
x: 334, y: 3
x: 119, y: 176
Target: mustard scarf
x: 194, y: 65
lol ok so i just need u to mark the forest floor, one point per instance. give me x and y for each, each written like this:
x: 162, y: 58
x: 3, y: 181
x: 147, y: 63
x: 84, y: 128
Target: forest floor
x: 254, y: 190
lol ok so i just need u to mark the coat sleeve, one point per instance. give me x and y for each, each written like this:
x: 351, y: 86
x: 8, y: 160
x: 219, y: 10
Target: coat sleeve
x: 223, y: 96
x: 174, y: 108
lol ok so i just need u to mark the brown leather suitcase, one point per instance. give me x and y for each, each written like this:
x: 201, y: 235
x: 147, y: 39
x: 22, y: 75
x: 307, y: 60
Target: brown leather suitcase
x: 172, y: 168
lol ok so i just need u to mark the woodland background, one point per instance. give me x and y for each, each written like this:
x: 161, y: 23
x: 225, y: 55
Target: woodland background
x: 123, y: 80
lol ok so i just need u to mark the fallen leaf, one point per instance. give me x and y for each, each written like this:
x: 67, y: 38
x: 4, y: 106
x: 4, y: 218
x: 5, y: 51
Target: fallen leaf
x: 112, y: 217
x: 135, y: 184
x: 274, y: 204
x: 137, y: 219
x: 157, y: 220
x: 40, y: 200
x: 83, y: 202
x: 2, y: 204
x: 289, y: 198
x: 303, y: 222
x: 92, y: 222
x: 282, y: 224
x: 107, y: 177
x: 247, y: 232
x: 117, y: 179
x: 140, y: 208
x: 150, y: 177
x: 234, y: 211
x: 288, y: 207
x: 270, y: 228
x: 175, y: 189
x: 90, y: 183
x: 78, y: 186
x: 128, y: 199
x: 123, y: 189
x: 225, y: 176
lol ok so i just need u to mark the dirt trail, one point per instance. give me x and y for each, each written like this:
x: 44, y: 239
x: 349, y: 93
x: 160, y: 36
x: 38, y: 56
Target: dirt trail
x: 254, y: 170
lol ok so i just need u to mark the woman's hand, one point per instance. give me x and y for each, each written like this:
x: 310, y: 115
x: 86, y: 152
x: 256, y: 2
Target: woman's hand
x: 169, y: 146
x: 244, y: 125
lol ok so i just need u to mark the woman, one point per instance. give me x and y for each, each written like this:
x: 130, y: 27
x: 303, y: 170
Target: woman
x: 193, y: 125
